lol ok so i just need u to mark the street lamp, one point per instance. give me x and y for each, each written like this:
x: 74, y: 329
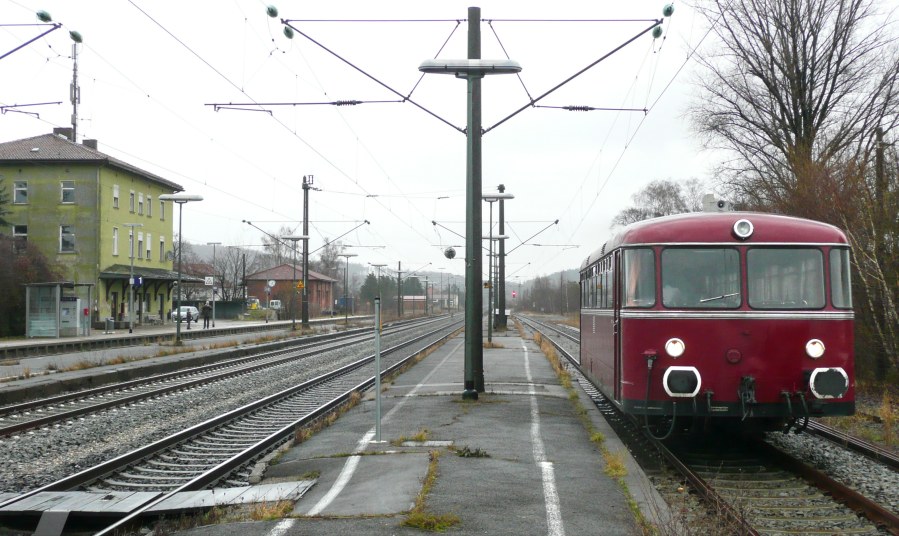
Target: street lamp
x: 492, y: 198
x: 131, y: 227
x: 180, y: 199
x: 293, y: 290
x: 472, y: 69
x: 501, y: 261
x: 490, y: 294
x: 346, y: 288
x: 213, y: 244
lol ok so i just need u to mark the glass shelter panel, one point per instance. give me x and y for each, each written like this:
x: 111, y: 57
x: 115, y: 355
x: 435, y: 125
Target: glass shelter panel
x: 785, y: 278
x: 702, y: 278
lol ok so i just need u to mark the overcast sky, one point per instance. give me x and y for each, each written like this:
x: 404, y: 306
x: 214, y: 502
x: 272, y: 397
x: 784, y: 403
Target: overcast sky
x: 149, y: 70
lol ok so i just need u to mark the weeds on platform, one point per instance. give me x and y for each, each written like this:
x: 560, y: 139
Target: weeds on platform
x: 614, y: 461
x: 492, y: 344
x: 418, y: 437
x: 268, y: 511
x: 466, y: 452
x: 418, y: 517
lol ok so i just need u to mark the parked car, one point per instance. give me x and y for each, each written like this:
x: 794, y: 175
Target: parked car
x: 275, y: 304
x: 188, y: 313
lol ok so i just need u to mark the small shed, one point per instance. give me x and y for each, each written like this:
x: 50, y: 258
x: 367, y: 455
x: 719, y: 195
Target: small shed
x: 58, y: 309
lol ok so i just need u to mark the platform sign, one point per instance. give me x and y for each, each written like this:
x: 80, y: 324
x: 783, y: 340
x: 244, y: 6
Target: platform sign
x: 300, y: 285
x: 210, y: 280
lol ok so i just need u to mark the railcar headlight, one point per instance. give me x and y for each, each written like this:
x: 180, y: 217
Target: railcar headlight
x: 743, y: 229
x: 675, y: 347
x: 814, y: 348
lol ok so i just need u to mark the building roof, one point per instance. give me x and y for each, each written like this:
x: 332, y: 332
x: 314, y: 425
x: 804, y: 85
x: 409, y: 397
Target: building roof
x: 285, y: 272
x: 56, y: 149
x: 123, y: 271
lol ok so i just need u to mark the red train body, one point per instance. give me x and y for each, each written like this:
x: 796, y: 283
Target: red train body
x: 728, y: 316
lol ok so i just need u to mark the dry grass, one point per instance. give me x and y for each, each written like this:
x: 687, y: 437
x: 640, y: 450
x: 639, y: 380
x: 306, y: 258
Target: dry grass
x: 419, y: 517
x: 615, y: 466
x: 492, y: 344
x: 418, y: 437
x: 268, y: 511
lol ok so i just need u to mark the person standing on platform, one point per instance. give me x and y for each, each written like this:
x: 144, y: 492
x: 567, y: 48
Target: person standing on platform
x: 206, y: 312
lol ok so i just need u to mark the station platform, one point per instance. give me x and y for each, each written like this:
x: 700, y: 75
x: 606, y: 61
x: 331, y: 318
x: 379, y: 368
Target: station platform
x: 518, y: 460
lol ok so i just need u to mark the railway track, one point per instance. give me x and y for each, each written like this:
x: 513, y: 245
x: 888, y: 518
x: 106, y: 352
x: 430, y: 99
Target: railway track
x: 221, y: 449
x: 759, y: 488
x: 50, y: 411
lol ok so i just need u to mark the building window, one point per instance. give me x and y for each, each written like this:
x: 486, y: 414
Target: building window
x: 115, y: 241
x: 140, y: 204
x: 20, y: 195
x: 149, y: 246
x: 20, y: 231
x: 131, y: 202
x: 115, y: 196
x: 162, y: 210
x: 67, y: 194
x: 66, y: 238
x: 149, y: 207
x: 140, y: 245
x: 162, y: 248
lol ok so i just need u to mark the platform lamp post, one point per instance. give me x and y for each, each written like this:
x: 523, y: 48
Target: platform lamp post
x: 131, y: 227
x: 492, y: 198
x: 180, y: 199
x: 472, y: 69
x: 213, y: 244
x: 346, y: 288
x: 293, y: 291
x: 491, y: 296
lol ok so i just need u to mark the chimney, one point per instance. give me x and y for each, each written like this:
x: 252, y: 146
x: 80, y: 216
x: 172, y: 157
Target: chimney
x: 90, y: 144
x: 65, y: 132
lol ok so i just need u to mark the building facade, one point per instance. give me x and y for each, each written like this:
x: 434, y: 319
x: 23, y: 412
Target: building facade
x: 320, y: 292
x: 95, y: 217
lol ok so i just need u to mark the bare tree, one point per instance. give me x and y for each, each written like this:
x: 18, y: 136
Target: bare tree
x: 804, y: 96
x: 792, y: 87
x: 662, y: 198
x: 328, y: 262
x: 279, y: 249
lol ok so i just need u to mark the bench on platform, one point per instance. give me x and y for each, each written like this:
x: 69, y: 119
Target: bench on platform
x: 153, y: 319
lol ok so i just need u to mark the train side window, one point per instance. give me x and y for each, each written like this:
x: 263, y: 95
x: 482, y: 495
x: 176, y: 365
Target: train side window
x: 840, y: 285
x: 785, y: 278
x: 639, y: 278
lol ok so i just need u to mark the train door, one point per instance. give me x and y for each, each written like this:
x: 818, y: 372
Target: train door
x: 616, y: 320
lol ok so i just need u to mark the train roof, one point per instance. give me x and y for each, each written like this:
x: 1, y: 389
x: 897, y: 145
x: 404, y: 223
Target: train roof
x: 717, y: 228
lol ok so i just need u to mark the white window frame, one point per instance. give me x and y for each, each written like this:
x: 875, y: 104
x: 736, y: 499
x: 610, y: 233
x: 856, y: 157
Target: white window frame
x: 131, y: 201
x: 149, y: 243
x: 115, y: 241
x: 140, y: 204
x: 115, y: 196
x: 162, y: 248
x: 71, y: 233
x: 20, y: 187
x: 62, y: 192
x: 140, y: 245
x: 149, y: 206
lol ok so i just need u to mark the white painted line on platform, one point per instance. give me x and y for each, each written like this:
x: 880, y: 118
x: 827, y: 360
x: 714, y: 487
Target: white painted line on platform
x: 283, y: 526
x: 349, y: 468
x: 554, y: 524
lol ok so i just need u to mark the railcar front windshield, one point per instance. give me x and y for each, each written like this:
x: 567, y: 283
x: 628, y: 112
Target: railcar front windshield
x: 785, y: 278
x: 701, y: 278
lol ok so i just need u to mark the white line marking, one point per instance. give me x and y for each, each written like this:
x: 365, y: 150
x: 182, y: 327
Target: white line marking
x: 554, y: 524
x: 283, y: 526
x: 349, y: 468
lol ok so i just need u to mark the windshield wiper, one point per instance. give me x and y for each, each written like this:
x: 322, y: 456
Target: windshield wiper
x: 721, y: 297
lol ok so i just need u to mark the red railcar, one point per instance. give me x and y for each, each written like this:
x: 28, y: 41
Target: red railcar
x: 726, y: 316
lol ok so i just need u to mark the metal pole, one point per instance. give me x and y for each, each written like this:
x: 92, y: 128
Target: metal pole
x: 131, y: 284
x: 180, y: 243
x: 490, y: 280
x: 399, y: 290
x: 501, y: 322
x: 346, y: 282
x: 474, y: 350
x: 293, y: 290
x: 213, y: 244
x: 307, y: 184
x: 377, y: 367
